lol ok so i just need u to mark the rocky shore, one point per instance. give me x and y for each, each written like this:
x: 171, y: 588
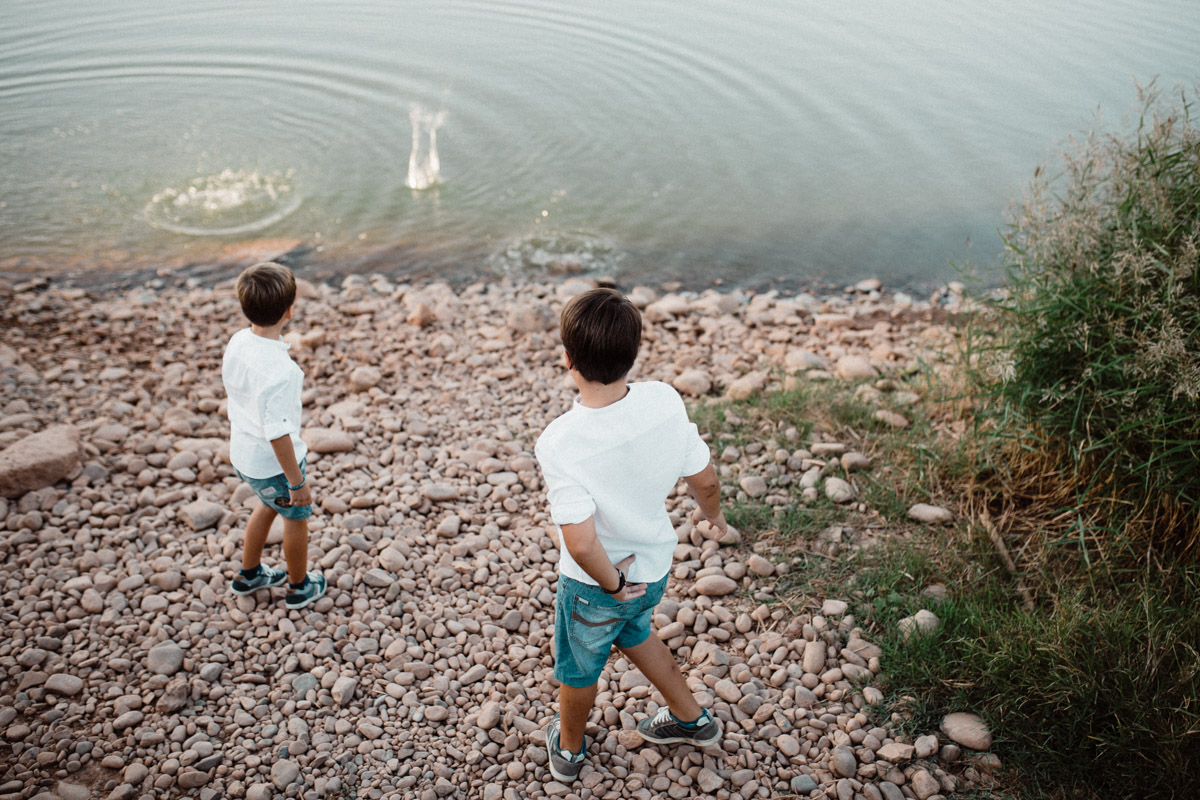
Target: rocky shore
x: 127, y: 669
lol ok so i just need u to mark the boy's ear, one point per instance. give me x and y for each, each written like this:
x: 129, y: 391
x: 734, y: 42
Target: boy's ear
x: 288, y: 314
x: 567, y: 360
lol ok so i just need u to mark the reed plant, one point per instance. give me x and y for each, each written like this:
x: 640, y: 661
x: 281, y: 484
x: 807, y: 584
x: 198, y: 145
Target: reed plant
x: 1094, y: 368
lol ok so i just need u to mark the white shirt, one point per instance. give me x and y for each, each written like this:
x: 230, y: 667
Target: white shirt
x: 264, y: 386
x: 617, y: 464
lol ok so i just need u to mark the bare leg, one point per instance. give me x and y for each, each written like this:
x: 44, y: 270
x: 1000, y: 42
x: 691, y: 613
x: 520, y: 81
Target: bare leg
x: 257, y: 528
x: 295, y: 548
x: 574, y: 706
x: 657, y: 663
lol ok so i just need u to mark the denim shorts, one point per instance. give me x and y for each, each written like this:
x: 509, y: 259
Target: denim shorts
x: 276, y: 488
x: 588, y: 622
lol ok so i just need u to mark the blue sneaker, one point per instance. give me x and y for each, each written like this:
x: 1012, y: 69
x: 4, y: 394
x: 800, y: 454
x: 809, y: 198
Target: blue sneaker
x: 313, y: 589
x: 565, y: 766
x: 663, y: 728
x: 266, y: 578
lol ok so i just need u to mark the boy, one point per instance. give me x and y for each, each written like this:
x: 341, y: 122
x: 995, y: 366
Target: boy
x: 265, y: 448
x: 609, y: 464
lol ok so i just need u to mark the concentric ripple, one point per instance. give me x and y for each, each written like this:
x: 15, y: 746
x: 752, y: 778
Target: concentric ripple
x: 231, y: 202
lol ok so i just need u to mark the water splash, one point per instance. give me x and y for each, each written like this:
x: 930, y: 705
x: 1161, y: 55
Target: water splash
x: 231, y: 202
x: 424, y: 169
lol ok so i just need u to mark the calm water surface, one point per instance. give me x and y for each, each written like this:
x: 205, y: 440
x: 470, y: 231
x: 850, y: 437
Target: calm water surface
x: 650, y: 141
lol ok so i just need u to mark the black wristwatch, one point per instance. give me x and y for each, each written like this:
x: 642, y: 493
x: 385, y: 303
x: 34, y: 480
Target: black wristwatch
x: 620, y: 585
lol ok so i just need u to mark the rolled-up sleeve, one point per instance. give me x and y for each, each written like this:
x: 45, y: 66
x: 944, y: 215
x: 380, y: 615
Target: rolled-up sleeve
x: 570, y: 502
x: 697, y: 455
x: 276, y: 408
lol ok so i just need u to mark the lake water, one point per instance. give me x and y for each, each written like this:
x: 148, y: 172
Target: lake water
x: 650, y: 141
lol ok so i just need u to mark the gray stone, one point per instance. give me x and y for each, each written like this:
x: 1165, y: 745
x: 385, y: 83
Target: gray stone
x: 855, y: 368
x: 165, y: 658
x: 843, y: 762
x: 284, y: 773
x: 839, y: 491
x: 64, y: 684
x: 753, y: 486
x: 344, y: 689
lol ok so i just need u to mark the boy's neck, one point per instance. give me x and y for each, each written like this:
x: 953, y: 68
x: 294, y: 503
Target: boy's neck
x: 269, y: 331
x: 599, y: 395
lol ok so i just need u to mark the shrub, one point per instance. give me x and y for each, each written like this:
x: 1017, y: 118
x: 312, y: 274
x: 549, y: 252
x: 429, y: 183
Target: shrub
x: 1098, y: 348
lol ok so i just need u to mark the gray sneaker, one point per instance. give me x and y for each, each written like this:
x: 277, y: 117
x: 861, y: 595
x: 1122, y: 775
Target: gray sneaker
x: 313, y: 589
x: 663, y: 728
x: 265, y: 579
x: 564, y: 765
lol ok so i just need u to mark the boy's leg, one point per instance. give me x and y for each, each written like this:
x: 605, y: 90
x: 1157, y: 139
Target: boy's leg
x: 657, y: 663
x: 295, y: 548
x: 257, y: 529
x: 574, y: 706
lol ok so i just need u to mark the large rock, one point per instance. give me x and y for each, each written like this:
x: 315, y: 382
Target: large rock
x: 40, y: 459
x: 327, y: 440
x: 968, y: 730
x: 839, y: 491
x: 201, y: 514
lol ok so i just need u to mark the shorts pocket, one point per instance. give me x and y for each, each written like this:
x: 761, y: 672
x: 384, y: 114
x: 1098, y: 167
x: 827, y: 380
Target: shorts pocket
x: 593, y: 627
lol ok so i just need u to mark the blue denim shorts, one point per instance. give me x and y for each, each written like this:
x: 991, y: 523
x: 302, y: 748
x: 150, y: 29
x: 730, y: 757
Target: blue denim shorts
x: 269, y: 490
x: 588, y: 622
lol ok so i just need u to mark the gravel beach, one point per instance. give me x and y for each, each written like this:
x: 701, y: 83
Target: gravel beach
x: 128, y: 670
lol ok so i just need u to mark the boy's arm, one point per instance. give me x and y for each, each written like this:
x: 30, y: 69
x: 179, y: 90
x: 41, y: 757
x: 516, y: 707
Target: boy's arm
x: 581, y: 542
x: 286, y: 454
x: 706, y: 491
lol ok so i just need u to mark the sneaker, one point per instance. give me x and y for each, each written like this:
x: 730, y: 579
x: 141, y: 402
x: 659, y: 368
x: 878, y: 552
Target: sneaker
x: 314, y: 588
x: 265, y: 579
x: 564, y: 765
x: 663, y: 728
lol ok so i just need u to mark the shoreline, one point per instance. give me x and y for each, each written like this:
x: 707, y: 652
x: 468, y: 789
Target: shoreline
x: 212, y: 262
x: 424, y: 671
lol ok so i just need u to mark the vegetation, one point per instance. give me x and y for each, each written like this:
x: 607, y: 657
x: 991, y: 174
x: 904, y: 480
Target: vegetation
x: 1073, y: 572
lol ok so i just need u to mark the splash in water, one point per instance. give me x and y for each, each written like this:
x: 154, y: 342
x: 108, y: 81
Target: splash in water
x: 423, y: 166
x: 231, y: 202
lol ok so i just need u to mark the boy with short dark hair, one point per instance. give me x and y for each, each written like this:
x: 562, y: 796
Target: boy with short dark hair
x: 265, y: 448
x: 610, y: 463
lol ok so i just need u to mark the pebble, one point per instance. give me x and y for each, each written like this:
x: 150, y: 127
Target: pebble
x: 968, y: 730
x: 839, y: 491
x: 930, y: 515
x: 923, y: 623
x: 426, y: 670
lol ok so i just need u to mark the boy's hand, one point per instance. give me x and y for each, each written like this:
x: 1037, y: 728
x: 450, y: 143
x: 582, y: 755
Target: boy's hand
x: 301, y: 497
x: 718, y: 522
x: 632, y: 591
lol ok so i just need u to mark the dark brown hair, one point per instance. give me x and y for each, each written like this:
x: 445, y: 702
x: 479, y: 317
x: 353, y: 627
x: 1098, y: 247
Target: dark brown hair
x: 266, y: 291
x: 601, y: 331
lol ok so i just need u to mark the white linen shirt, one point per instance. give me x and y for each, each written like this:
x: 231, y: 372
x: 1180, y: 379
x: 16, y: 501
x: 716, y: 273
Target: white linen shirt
x: 264, y: 386
x: 617, y: 464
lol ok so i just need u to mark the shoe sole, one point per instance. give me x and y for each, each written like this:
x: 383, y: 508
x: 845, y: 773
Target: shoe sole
x: 680, y: 739
x: 308, y: 601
